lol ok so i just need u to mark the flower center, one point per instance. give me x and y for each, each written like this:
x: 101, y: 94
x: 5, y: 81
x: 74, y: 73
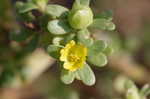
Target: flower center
x: 73, y: 58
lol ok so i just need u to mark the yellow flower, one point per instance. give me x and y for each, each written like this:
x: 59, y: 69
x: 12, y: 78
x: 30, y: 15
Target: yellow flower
x: 73, y: 55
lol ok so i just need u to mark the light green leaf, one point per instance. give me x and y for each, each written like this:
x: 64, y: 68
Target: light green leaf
x: 68, y: 38
x: 54, y: 51
x: 109, y: 50
x: 98, y: 59
x: 27, y: 7
x: 84, y: 2
x: 103, y: 24
x: 145, y: 91
x: 58, y: 27
x: 132, y: 94
x: 57, y: 40
x: 38, y: 1
x: 95, y: 53
x: 80, y: 4
x: 84, y: 37
x: 130, y: 84
x: 108, y: 15
x: 86, y: 75
x: 97, y: 46
x: 67, y: 76
x: 56, y: 11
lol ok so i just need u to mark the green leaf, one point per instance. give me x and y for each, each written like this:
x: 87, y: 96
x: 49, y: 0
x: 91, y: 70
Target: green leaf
x: 20, y: 35
x: 83, y: 2
x: 130, y: 84
x: 57, y: 40
x: 145, y: 91
x: 41, y: 4
x: 80, y: 4
x: 62, y: 40
x: 68, y: 38
x: 86, y: 75
x: 32, y: 45
x: 105, y: 15
x: 54, y: 51
x: 108, y: 51
x: 98, y: 59
x: 39, y: 1
x: 103, y: 24
x: 67, y: 76
x: 27, y: 7
x: 58, y: 27
x: 132, y: 94
x: 56, y: 11
x: 84, y: 37
x: 97, y: 46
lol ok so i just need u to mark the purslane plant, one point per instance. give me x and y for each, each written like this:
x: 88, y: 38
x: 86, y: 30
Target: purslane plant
x: 72, y: 44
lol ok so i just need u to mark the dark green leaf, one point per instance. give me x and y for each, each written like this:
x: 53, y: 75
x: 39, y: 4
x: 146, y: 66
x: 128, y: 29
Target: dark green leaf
x: 58, y: 27
x: 32, y: 45
x: 86, y: 75
x: 21, y: 35
x: 23, y: 16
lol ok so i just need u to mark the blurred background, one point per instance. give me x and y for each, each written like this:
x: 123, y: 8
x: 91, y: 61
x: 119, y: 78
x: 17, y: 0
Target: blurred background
x: 131, y: 57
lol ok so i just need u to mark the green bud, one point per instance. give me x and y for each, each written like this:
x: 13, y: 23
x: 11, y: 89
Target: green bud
x: 80, y: 18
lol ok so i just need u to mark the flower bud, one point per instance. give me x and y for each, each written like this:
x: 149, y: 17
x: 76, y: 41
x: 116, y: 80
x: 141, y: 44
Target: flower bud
x: 80, y: 18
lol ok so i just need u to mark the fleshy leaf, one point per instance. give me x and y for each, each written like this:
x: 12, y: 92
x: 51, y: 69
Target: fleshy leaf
x: 98, y: 59
x: 97, y: 46
x: 103, y: 24
x: 105, y: 15
x: 86, y: 75
x: 27, y: 7
x: 145, y: 91
x: 84, y: 2
x: 56, y: 11
x: 32, y: 45
x: 67, y: 76
x: 84, y: 37
x: 58, y: 27
x: 57, y: 40
x: 54, y: 51
x: 108, y: 51
x: 20, y: 35
x: 68, y: 38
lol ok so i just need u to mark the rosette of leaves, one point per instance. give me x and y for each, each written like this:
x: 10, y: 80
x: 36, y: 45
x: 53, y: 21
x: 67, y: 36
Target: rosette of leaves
x: 75, y: 27
x: 65, y: 25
